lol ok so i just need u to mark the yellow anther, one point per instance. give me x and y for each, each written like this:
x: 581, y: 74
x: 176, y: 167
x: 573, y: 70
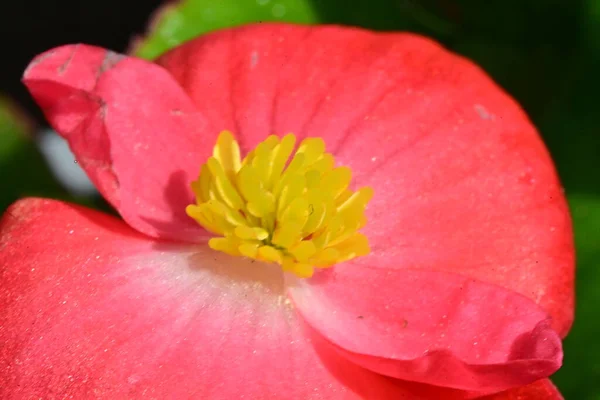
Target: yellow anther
x: 247, y: 233
x: 227, y: 152
x: 299, y: 213
x: 270, y: 254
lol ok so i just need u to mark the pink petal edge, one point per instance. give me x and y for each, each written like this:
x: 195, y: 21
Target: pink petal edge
x: 432, y: 327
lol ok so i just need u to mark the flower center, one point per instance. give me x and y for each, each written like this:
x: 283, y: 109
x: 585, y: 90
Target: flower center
x: 299, y: 214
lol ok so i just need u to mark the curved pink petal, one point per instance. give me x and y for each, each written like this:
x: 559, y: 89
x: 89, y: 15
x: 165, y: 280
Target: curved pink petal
x: 132, y: 128
x: 540, y: 390
x: 433, y: 327
x: 462, y: 181
x: 90, y: 308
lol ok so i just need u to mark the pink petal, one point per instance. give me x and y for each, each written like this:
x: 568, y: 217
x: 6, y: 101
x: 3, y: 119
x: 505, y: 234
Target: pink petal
x: 89, y: 308
x: 433, y: 327
x: 462, y: 180
x: 540, y: 390
x: 133, y: 129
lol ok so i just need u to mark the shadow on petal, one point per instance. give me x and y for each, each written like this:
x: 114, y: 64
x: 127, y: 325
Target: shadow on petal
x: 177, y: 192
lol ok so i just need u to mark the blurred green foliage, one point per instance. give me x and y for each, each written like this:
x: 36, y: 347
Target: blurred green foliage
x: 578, y: 378
x: 24, y: 170
x: 546, y: 53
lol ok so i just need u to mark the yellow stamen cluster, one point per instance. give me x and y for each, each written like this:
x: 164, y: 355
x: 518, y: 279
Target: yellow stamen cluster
x: 299, y: 214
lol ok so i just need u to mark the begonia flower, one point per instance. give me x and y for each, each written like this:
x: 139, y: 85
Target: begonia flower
x: 454, y: 279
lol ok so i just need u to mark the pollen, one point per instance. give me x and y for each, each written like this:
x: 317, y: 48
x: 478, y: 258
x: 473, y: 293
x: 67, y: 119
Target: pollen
x: 277, y: 205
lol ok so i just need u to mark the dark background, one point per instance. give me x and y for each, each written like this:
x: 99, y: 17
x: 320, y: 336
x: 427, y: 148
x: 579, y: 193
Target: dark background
x: 546, y: 53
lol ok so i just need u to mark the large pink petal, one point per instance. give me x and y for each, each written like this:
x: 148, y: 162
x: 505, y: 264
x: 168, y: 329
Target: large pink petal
x: 462, y: 181
x: 433, y: 327
x: 89, y: 308
x: 132, y: 128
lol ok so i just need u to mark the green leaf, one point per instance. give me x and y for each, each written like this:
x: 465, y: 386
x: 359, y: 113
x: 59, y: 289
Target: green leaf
x: 181, y: 21
x: 579, y: 377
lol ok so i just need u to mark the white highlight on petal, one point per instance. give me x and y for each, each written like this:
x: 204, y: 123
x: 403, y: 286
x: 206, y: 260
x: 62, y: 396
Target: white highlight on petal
x: 205, y: 279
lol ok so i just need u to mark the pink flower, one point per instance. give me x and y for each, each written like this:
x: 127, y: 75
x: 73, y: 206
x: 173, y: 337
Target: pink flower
x: 466, y: 292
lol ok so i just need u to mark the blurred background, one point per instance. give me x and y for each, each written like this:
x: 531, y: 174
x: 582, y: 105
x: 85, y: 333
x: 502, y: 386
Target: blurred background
x: 546, y: 53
